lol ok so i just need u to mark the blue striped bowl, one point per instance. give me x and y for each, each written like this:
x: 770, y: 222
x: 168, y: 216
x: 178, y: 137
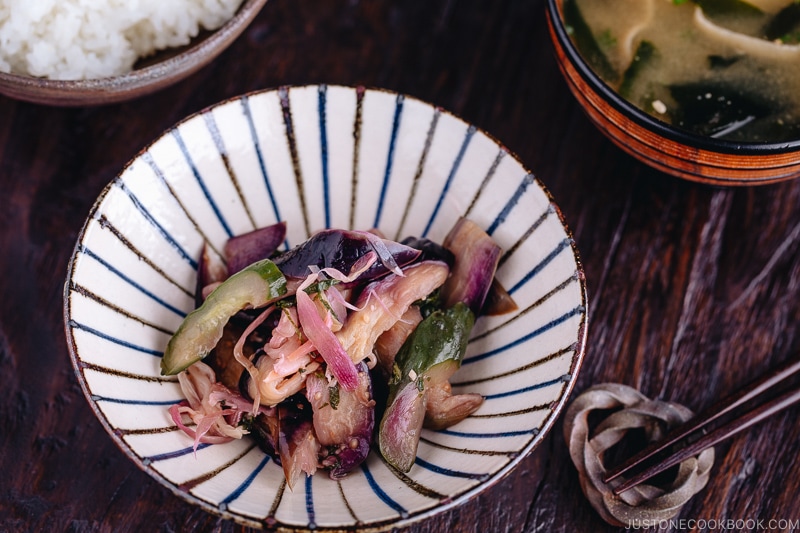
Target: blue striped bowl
x: 322, y: 156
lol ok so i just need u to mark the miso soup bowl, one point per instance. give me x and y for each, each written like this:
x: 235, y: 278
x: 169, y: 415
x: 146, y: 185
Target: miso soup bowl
x: 671, y: 150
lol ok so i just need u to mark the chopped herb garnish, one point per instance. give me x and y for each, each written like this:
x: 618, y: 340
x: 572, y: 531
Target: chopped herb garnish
x: 285, y: 303
x: 607, y: 39
x: 334, y: 396
x: 396, y: 375
x: 321, y: 285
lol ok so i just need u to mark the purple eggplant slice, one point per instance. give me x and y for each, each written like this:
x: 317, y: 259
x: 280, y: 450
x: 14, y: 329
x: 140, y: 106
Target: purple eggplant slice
x: 286, y: 434
x: 264, y: 429
x: 298, y: 447
x: 383, y: 302
x: 476, y: 261
x: 343, y: 421
x: 444, y: 408
x: 211, y: 270
x: 342, y: 249
x: 401, y: 426
x: 246, y: 249
x: 431, y: 250
x: 498, y: 301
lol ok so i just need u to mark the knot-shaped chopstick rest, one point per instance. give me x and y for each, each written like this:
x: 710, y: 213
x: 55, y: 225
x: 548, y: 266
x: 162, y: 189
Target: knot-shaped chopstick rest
x: 587, y: 446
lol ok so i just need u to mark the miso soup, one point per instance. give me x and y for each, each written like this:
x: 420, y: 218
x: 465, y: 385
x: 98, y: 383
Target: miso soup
x: 728, y: 69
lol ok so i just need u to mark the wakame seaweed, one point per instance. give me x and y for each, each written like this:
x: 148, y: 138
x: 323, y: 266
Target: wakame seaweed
x: 588, y: 46
x: 717, y: 109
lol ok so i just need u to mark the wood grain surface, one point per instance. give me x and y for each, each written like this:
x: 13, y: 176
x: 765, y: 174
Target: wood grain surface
x: 693, y: 290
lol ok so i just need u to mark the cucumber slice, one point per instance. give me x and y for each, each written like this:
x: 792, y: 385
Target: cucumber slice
x: 432, y: 353
x: 255, y: 286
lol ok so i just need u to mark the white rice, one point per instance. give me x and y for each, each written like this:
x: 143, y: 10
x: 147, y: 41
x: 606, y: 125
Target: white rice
x: 83, y: 39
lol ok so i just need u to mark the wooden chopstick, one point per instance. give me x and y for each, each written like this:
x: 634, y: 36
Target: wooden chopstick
x: 728, y: 429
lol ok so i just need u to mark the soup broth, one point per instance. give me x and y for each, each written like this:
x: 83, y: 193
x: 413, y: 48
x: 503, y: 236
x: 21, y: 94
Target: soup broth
x: 721, y: 68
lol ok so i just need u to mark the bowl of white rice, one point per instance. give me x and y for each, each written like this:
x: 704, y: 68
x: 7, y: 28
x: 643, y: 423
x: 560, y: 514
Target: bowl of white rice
x: 81, y: 52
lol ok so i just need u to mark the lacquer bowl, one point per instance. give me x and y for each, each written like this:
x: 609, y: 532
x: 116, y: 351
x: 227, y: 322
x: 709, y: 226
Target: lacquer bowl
x: 151, y: 74
x: 658, y: 144
x: 316, y: 157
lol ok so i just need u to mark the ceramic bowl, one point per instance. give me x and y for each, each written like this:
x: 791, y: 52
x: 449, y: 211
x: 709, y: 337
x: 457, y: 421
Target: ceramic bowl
x: 658, y: 144
x: 316, y: 157
x: 149, y: 75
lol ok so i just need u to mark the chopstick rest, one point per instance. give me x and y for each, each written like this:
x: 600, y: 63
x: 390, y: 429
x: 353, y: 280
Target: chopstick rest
x: 625, y: 409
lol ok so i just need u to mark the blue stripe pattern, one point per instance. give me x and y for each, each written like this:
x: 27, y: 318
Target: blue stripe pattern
x: 246, y: 483
x: 119, y: 342
x: 446, y: 471
x: 261, y: 163
x: 525, y: 389
x: 219, y: 144
x: 132, y: 283
x: 380, y: 493
x: 501, y: 217
x: 146, y: 214
x: 122, y: 401
x: 322, y: 102
x: 108, y: 225
x: 543, y: 263
x: 535, y: 333
x: 172, y: 455
x: 398, y: 110
x: 484, y: 435
x: 310, y: 503
x: 457, y: 163
x: 176, y: 134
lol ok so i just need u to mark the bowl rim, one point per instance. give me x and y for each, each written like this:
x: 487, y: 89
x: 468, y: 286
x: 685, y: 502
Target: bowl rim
x: 647, y: 121
x: 579, y: 355
x: 152, y: 76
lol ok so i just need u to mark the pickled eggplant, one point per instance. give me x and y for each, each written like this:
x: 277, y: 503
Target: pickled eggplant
x: 300, y: 334
x: 383, y: 302
x: 430, y: 250
x: 498, y: 301
x: 343, y: 421
x: 401, y: 426
x: 286, y: 434
x: 341, y: 250
x: 211, y: 271
x: 246, y: 249
x: 476, y: 258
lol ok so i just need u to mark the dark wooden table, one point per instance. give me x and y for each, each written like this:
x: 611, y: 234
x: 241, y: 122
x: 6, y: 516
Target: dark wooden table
x: 693, y: 290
